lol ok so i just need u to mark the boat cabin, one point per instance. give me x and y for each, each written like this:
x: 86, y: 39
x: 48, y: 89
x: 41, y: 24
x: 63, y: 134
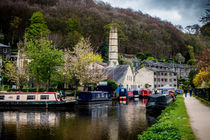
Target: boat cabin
x: 159, y: 101
x: 94, y: 96
x: 29, y: 97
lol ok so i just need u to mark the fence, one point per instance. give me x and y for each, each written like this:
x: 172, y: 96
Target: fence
x: 203, y: 93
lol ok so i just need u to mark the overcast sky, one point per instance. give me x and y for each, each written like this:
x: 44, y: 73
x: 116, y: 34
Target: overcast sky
x: 178, y: 12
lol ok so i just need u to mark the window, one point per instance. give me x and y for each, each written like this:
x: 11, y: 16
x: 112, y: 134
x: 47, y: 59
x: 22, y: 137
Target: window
x: 174, y: 79
x: 44, y: 97
x: 154, y: 79
x: 174, y: 74
x: 155, y: 86
x: 5, y: 50
x: 161, y: 73
x: 18, y: 97
x: 170, y: 80
x: 165, y: 74
x: 1, y: 97
x: 162, y: 80
x: 170, y: 74
x: 30, y: 97
x: 174, y: 85
x: 166, y: 80
x: 154, y: 73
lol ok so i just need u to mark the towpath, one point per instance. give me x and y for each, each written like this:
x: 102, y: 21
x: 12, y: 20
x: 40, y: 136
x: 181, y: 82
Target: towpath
x: 199, y: 118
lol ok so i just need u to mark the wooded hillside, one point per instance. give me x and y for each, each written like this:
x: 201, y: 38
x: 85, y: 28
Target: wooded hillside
x: 144, y: 33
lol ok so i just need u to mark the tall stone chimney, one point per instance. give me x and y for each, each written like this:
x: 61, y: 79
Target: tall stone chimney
x: 113, y: 47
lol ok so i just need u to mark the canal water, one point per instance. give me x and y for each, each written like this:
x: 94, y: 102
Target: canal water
x: 104, y: 121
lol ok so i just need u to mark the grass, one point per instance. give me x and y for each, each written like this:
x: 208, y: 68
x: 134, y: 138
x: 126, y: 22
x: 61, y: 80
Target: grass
x: 207, y: 103
x: 173, y: 124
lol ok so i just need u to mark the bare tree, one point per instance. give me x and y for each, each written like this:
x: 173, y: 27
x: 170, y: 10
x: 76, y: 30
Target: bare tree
x: 78, y: 64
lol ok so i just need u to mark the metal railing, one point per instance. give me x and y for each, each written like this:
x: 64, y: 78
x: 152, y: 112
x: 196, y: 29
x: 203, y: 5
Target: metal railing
x: 203, y: 93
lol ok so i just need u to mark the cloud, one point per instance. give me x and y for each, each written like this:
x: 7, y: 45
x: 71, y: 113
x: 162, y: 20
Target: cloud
x: 183, y: 12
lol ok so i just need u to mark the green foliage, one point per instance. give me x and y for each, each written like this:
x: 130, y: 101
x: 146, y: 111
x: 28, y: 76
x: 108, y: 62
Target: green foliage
x: 179, y: 58
x: 72, y: 39
x: 150, y: 58
x: 45, y: 59
x: 37, y: 28
x: 112, y: 84
x: 141, y: 56
x: 74, y: 32
x: 121, y: 34
x: 205, y: 29
x: 1, y: 38
x: 73, y: 24
x: 104, y: 51
x: 192, y: 55
x: 173, y: 124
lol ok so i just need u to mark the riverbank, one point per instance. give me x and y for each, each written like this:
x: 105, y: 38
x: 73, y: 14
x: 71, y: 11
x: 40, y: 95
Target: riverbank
x: 173, y: 123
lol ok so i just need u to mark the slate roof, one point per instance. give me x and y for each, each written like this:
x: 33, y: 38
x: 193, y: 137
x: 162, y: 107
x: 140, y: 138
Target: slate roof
x: 116, y: 72
x: 159, y: 70
x: 2, y: 45
x: 170, y: 65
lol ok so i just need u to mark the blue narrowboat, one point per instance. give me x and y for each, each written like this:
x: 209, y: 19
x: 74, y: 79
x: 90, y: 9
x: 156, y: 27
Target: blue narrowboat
x: 136, y: 94
x: 94, y: 96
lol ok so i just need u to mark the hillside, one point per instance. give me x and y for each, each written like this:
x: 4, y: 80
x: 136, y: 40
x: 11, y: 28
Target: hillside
x: 145, y: 33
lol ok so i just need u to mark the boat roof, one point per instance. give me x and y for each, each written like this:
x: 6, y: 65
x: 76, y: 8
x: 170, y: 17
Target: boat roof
x: 158, y: 95
x: 5, y: 93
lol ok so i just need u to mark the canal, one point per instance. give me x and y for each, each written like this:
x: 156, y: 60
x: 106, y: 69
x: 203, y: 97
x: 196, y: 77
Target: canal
x: 104, y: 121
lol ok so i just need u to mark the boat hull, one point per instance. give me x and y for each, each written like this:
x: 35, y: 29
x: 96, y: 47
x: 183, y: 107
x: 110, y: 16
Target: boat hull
x: 37, y: 104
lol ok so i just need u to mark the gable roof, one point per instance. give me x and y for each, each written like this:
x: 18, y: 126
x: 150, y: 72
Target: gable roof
x: 2, y: 45
x: 116, y: 72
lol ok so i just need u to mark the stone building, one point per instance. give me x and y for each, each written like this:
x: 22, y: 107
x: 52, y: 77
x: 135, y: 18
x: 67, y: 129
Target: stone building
x: 181, y: 69
x: 155, y: 78
x: 5, y: 51
x: 122, y: 75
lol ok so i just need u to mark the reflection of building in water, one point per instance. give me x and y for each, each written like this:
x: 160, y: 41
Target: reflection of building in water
x: 99, y: 112
x: 32, y: 118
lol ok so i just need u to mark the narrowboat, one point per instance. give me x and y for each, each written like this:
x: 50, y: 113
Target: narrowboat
x: 136, y: 94
x: 145, y: 93
x: 94, y: 96
x: 125, y: 94
x: 159, y: 101
x: 33, y: 99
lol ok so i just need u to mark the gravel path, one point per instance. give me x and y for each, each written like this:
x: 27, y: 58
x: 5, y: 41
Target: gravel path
x: 199, y: 118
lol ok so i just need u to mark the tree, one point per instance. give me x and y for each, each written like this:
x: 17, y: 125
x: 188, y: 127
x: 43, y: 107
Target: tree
x: 73, y: 24
x: 203, y: 60
x: 17, y: 75
x: 179, y: 58
x: 206, y: 17
x: 121, y: 34
x: 74, y: 32
x: 104, y: 51
x: 45, y: 60
x: 37, y: 28
x: 202, y: 79
x: 78, y: 62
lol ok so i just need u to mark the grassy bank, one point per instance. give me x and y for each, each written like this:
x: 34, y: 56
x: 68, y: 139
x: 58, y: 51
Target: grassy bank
x: 172, y: 124
x: 202, y: 101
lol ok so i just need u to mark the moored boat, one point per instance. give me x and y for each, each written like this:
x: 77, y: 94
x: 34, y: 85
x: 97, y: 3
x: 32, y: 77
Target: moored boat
x: 159, y: 101
x: 33, y: 99
x: 136, y: 94
x: 145, y: 93
x: 94, y: 96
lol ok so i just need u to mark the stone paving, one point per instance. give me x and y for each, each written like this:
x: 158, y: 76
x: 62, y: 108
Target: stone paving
x: 199, y: 118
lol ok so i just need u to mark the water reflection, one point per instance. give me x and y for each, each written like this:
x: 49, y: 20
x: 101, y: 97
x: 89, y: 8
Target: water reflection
x: 108, y: 121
